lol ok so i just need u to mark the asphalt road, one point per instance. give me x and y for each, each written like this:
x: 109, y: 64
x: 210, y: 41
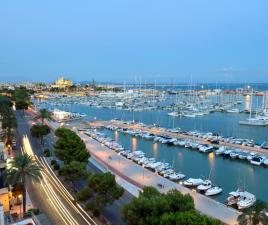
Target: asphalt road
x: 48, y: 195
x: 112, y: 213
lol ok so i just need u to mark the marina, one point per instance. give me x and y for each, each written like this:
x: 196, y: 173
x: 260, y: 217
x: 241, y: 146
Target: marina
x: 140, y: 176
x: 233, y: 148
x: 181, y: 158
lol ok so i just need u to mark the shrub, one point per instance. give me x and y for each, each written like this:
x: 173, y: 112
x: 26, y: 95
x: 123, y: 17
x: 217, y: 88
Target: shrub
x: 84, y: 194
x: 56, y: 166
x: 47, y: 152
x: 53, y: 162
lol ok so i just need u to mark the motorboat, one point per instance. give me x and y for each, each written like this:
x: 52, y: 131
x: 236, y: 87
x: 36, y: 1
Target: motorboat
x: 234, y: 154
x: 206, y: 148
x: 213, y: 191
x: 257, y: 160
x: 232, y: 110
x: 246, y: 200
x: 250, y: 156
x: 243, y: 155
x: 233, y: 197
x: 192, y: 182
x: 227, y: 152
x: 204, y: 186
x: 220, y: 150
x: 173, y: 114
x: 265, y: 162
x: 176, y: 176
x: 242, y: 199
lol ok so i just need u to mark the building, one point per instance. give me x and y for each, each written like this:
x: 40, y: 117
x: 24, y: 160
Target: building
x: 62, y: 83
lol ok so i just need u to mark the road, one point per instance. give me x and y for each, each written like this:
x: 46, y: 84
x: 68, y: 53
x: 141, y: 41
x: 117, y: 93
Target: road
x: 49, y: 195
x: 112, y: 212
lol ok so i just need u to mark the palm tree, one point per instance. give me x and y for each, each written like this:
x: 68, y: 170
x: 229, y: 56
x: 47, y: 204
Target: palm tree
x: 256, y: 215
x: 23, y: 168
x: 43, y: 114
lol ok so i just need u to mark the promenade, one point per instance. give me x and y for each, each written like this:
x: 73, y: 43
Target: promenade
x: 161, y: 132
x: 140, y: 177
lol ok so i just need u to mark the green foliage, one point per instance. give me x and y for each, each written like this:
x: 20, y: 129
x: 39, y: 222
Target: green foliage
x: 7, y: 117
x: 23, y: 167
x: 21, y: 94
x: 39, y: 131
x: 73, y: 171
x: 53, y: 162
x: 29, y: 213
x: 186, y: 218
x: 69, y: 147
x: 84, y: 194
x: 43, y: 114
x: 21, y: 105
x: 105, y: 188
x: 21, y: 97
x: 154, y: 208
x: 56, y: 166
x: 258, y: 214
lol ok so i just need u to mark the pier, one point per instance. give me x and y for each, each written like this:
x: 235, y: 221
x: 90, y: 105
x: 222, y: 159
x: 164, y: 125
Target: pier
x: 160, y: 132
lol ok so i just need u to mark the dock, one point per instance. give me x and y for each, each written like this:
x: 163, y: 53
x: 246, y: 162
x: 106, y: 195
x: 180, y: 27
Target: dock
x: 160, y: 132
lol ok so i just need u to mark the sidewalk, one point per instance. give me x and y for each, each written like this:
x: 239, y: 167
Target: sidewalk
x: 140, y: 177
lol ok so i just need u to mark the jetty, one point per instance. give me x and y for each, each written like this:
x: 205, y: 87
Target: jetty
x: 158, y: 131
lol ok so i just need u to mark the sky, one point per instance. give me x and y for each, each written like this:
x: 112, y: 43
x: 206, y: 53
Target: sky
x: 134, y: 40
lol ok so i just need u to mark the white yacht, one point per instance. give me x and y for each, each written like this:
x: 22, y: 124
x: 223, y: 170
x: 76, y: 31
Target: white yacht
x: 204, y: 186
x: 213, y: 191
x: 220, y: 150
x: 173, y: 114
x: 192, y: 182
x: 265, y: 162
x: 232, y: 110
x: 176, y: 176
x: 257, y: 160
x: 246, y: 200
x: 257, y: 121
x: 242, y: 199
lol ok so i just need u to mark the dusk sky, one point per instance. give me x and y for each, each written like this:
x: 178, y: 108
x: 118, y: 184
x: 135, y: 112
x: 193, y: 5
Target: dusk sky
x: 151, y: 40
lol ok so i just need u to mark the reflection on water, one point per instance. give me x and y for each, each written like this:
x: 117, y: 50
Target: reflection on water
x: 116, y: 135
x: 247, y: 102
x: 155, y: 149
x: 225, y: 172
x: 211, y: 159
x: 134, y: 144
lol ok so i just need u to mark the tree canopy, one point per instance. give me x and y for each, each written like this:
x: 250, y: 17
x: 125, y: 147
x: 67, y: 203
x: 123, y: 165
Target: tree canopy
x: 7, y: 117
x: 70, y: 147
x: 39, y: 131
x: 43, y: 114
x: 23, y: 167
x: 154, y: 208
x: 105, y: 190
x: 74, y: 171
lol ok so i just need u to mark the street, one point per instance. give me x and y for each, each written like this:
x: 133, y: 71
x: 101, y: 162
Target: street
x: 49, y: 195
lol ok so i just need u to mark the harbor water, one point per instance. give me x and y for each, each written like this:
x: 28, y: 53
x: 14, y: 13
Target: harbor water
x: 227, y: 173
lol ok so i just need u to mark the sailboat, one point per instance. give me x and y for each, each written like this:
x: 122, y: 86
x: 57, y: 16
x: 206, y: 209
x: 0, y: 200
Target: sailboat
x: 254, y: 121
